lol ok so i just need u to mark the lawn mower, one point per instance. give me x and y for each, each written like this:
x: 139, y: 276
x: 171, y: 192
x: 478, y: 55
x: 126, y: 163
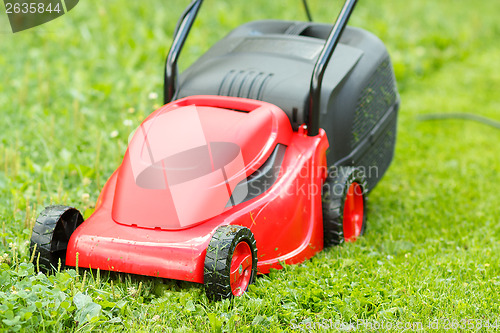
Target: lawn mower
x: 263, y: 154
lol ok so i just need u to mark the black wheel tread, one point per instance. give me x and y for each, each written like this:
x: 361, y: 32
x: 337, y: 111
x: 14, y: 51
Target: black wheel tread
x: 48, y: 250
x: 333, y: 203
x: 218, y: 260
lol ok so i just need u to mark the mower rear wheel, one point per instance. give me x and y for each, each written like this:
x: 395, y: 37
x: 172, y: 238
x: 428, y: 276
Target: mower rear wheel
x: 230, y: 263
x: 344, y: 203
x: 51, y: 234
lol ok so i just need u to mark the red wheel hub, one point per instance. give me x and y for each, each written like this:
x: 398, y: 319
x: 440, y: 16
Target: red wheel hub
x: 353, y: 212
x: 241, y: 268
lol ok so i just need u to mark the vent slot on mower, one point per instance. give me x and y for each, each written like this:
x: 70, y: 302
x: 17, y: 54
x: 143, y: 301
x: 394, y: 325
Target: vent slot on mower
x: 241, y: 83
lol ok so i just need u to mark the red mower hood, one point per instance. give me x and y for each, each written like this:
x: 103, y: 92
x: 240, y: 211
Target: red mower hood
x: 184, y: 161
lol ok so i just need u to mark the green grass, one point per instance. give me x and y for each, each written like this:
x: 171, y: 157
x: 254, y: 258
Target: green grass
x: 72, y: 90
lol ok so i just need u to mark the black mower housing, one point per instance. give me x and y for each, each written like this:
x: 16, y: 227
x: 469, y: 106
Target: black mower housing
x: 273, y: 60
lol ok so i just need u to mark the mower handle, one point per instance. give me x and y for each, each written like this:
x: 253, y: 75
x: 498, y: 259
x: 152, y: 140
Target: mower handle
x: 180, y: 35
x: 320, y: 67
x: 186, y: 22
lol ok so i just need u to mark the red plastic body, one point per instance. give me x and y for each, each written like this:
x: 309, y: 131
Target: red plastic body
x: 134, y: 228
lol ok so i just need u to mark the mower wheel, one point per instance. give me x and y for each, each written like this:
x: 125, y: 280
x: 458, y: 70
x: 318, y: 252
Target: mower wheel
x: 230, y: 263
x: 344, y: 201
x: 51, y: 234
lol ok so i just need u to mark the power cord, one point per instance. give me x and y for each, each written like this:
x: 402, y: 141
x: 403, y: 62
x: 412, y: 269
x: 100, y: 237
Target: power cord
x: 460, y: 115
x: 306, y: 8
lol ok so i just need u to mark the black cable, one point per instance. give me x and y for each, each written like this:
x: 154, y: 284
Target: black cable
x: 460, y: 115
x: 308, y: 13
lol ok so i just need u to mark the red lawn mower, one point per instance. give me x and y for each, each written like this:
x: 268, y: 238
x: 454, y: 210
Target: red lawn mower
x: 263, y: 154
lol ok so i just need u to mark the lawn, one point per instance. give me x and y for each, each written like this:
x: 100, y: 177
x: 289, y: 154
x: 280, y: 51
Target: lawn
x: 72, y: 90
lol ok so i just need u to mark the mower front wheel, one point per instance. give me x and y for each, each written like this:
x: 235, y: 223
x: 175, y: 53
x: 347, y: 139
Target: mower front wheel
x: 230, y: 263
x: 51, y: 234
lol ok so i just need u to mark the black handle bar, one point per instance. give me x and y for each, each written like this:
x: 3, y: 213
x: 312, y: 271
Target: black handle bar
x: 320, y: 67
x: 180, y: 35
